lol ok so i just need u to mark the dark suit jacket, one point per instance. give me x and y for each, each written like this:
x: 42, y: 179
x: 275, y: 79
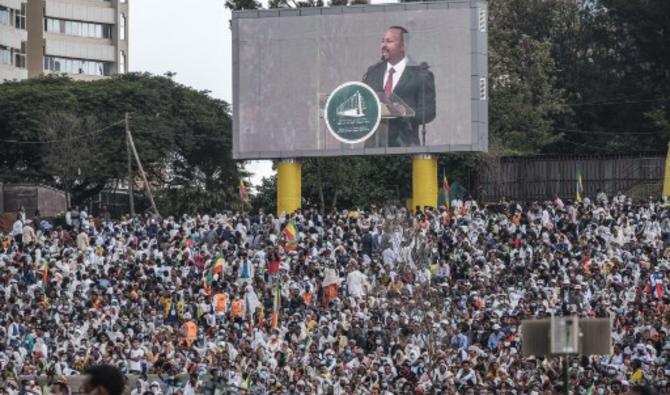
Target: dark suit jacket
x: 404, y: 132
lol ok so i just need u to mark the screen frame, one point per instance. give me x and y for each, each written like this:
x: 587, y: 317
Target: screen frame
x: 478, y: 78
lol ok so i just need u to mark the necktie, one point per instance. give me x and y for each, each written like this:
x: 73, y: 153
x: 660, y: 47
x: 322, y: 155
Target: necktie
x: 388, y: 88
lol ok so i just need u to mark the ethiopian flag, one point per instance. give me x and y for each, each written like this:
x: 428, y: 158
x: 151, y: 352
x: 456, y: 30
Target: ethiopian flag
x: 217, y: 267
x: 291, y: 234
x: 244, y: 194
x: 275, y: 306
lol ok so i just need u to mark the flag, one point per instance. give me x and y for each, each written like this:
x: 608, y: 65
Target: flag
x: 244, y: 195
x: 208, y: 277
x: 217, y: 266
x: 207, y: 283
x: 446, y: 189
x: 290, y: 231
x: 45, y: 273
x: 291, y: 235
x: 579, y: 188
x: 656, y: 281
x: 275, y: 306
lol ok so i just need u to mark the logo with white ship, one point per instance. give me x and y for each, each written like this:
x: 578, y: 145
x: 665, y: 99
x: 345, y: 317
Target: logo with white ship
x: 352, y: 112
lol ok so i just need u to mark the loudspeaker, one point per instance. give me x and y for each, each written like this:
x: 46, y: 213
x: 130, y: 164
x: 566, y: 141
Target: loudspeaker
x: 566, y: 335
x: 535, y: 338
x: 596, y: 336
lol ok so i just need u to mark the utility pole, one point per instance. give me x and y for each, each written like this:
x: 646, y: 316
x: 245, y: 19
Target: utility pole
x: 131, y: 197
x: 566, y: 375
x: 147, y: 187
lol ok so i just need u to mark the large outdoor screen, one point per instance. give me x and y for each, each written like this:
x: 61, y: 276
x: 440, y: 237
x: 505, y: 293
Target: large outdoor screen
x: 358, y: 80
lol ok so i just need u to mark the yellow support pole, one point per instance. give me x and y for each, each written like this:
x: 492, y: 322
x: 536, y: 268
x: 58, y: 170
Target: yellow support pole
x: 666, y: 177
x: 424, y: 181
x: 289, y: 186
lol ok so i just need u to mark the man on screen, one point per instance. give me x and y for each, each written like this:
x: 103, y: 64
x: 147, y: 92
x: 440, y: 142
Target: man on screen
x: 413, y: 83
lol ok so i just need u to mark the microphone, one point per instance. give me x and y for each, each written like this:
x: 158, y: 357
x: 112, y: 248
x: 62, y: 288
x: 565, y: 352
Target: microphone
x: 423, y: 66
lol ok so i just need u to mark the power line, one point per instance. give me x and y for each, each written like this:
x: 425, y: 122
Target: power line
x: 585, y: 145
x: 638, y: 94
x: 606, y: 103
x: 613, y: 132
x: 615, y: 97
x: 92, y: 133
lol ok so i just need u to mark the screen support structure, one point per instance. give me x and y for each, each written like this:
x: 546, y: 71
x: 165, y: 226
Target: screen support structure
x: 289, y: 186
x: 424, y: 181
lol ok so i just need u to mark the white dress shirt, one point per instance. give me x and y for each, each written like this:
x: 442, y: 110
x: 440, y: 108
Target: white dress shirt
x: 399, y: 69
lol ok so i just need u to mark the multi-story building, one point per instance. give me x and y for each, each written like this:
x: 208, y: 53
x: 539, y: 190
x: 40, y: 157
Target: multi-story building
x: 13, y: 37
x: 86, y: 39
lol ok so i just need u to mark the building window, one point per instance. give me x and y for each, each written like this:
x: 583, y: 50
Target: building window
x: 122, y: 62
x: 52, y: 25
x: 13, y: 56
x: 5, y: 55
x: 20, y: 17
x: 20, y: 56
x: 74, y: 28
x: 19, y: 59
x: 13, y: 17
x: 5, y: 16
x: 76, y: 66
x: 122, y: 26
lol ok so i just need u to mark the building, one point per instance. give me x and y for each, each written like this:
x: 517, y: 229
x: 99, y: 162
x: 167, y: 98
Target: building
x: 13, y: 38
x: 86, y: 39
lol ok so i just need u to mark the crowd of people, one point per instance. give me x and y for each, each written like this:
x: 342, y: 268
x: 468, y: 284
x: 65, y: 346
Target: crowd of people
x: 375, y: 301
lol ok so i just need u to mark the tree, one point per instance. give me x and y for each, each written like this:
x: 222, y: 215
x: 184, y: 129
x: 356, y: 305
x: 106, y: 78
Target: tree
x: 265, y: 196
x: 354, y: 181
x: 627, y: 102
x: 242, y: 4
x: 70, y: 154
x: 183, y: 136
x: 524, y: 96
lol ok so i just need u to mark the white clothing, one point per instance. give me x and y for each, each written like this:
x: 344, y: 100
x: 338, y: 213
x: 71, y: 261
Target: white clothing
x: 355, y: 283
x: 398, y: 68
x: 17, y: 228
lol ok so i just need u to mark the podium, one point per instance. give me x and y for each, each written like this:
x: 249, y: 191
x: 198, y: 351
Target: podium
x: 392, y: 108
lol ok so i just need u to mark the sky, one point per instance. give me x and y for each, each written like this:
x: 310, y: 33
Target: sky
x: 191, y: 38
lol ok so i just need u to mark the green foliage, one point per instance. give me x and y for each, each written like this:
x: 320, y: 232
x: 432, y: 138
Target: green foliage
x: 345, y: 182
x: 525, y: 98
x: 183, y: 137
x: 266, y: 195
x: 71, y: 156
x: 614, y: 65
x: 242, y: 4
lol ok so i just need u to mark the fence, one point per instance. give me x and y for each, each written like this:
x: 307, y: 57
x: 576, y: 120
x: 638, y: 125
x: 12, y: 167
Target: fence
x: 540, y: 177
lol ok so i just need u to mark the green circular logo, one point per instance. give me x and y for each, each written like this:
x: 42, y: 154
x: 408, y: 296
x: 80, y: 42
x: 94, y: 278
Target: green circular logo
x: 352, y: 112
